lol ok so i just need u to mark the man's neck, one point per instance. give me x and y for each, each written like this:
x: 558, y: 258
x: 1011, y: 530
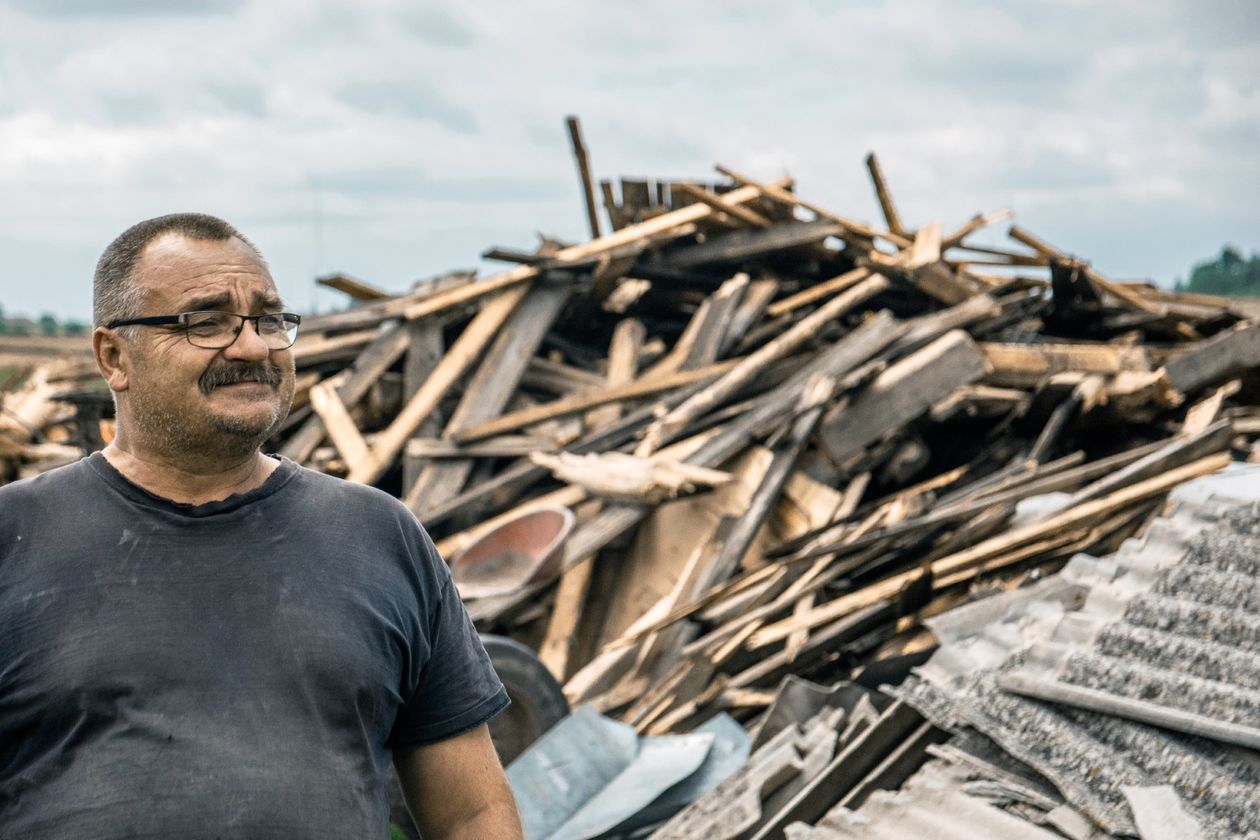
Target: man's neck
x: 186, y: 480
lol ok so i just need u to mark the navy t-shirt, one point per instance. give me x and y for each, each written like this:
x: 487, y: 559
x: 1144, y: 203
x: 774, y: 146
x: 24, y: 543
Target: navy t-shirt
x: 238, y: 669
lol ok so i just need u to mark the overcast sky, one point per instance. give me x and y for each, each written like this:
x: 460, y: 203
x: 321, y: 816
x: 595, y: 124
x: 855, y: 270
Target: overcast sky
x: 395, y: 140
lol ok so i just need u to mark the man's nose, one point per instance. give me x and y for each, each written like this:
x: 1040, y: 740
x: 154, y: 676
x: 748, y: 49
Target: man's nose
x: 249, y: 345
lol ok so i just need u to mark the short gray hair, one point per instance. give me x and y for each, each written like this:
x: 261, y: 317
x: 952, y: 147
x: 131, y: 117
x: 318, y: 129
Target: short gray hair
x: 114, y: 295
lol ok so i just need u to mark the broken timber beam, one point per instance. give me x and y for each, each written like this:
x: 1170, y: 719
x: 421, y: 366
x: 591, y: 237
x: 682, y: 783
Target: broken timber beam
x: 352, y: 286
x: 1219, y: 357
x: 584, y: 173
x: 745, y: 244
x: 901, y: 393
x: 884, y: 196
x: 1116, y: 290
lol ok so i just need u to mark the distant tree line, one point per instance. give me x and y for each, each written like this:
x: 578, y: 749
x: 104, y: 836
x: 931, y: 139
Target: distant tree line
x: 47, y: 324
x: 1228, y: 274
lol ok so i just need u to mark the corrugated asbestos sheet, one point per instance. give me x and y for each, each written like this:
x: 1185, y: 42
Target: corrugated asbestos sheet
x: 1172, y: 619
x: 934, y: 803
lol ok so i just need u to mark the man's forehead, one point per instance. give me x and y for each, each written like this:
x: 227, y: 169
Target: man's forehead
x: 176, y: 267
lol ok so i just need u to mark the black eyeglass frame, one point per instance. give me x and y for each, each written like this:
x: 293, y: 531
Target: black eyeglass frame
x: 287, y: 318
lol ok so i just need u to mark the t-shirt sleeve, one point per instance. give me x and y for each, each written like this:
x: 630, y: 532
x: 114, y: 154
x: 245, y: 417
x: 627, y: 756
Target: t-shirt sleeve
x: 457, y: 687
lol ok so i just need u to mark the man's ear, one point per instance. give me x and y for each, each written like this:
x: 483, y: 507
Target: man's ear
x: 112, y: 358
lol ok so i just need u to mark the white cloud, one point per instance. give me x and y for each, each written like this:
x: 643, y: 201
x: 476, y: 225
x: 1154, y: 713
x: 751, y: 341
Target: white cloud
x: 393, y: 139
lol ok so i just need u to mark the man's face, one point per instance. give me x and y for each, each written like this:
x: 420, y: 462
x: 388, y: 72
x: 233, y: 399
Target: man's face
x: 185, y: 396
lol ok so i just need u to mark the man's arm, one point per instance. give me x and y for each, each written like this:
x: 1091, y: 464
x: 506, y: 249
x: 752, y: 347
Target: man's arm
x: 456, y: 789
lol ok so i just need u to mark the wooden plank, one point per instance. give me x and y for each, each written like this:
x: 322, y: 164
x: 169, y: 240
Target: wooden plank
x: 675, y: 421
x: 884, y: 196
x: 785, y: 452
x: 636, y: 198
x: 751, y: 307
x: 372, y: 361
x: 1007, y: 257
x: 925, y: 329
x: 557, y: 649
x: 930, y: 273
x: 1026, y: 365
x: 675, y: 536
x: 616, y: 220
x: 354, y: 287
x: 703, y: 336
x: 514, y: 255
x: 623, y: 364
x: 900, y: 394
x: 558, y: 646
x: 925, y: 249
x: 1122, y: 293
x: 584, y: 173
x: 370, y: 315
x: 746, y: 244
x: 578, y: 403
x: 466, y: 349
x: 779, y: 194
x: 1058, y: 420
x: 1222, y: 356
x: 972, y: 225
x: 1204, y: 413
x: 425, y: 342
x: 1173, y: 452
x: 497, y: 377
x: 981, y: 401
x: 559, y: 378
x: 312, y: 349
x: 518, y: 446
x: 1146, y: 460
x: 341, y: 429
x: 835, y: 360
x: 519, y: 476
x: 817, y: 292
x: 823, y: 642
x: 717, y: 202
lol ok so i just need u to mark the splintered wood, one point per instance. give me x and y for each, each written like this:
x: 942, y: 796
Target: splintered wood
x: 784, y: 433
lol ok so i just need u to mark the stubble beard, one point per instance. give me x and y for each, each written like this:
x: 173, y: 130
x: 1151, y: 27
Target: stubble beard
x: 206, y: 433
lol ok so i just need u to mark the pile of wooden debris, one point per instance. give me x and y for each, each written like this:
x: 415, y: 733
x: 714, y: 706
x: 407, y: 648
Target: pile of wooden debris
x: 785, y: 436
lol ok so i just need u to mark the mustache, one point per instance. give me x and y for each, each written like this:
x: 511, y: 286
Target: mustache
x: 229, y: 373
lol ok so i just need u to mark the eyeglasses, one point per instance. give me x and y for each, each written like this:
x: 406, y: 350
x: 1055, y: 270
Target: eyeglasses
x: 217, y: 330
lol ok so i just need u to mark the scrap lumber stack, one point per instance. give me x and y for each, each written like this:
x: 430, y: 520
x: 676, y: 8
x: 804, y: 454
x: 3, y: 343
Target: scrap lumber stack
x: 786, y: 436
x: 51, y: 412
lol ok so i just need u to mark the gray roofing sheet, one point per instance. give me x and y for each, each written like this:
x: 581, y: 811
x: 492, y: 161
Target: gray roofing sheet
x: 933, y: 803
x: 1173, y: 618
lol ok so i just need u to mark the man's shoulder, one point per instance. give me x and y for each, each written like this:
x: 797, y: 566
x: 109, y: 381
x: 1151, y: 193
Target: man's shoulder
x: 349, y: 495
x: 45, y: 486
x: 44, y: 501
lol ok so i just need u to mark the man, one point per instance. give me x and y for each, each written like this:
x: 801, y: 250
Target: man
x: 198, y: 640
